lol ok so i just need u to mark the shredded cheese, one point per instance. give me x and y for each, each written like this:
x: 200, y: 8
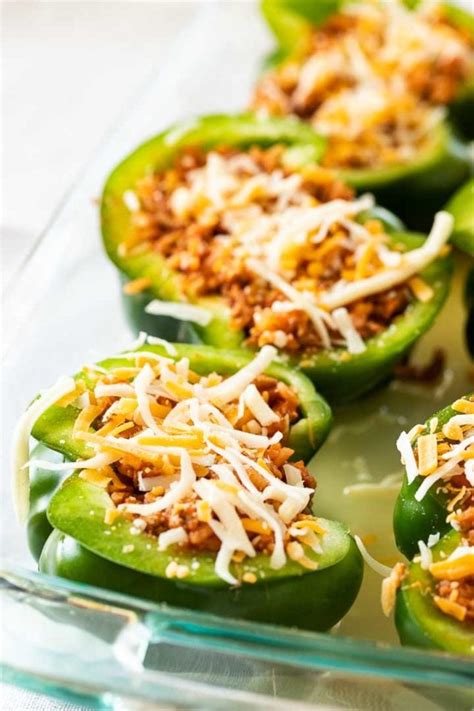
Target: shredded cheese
x: 184, y: 454
x: 232, y: 388
x: 172, y: 537
x: 427, y: 454
x: 21, y: 437
x: 297, y: 298
x: 408, y: 458
x: 410, y: 264
x: 180, y: 310
x: 343, y: 321
x: 379, y: 568
x: 258, y: 407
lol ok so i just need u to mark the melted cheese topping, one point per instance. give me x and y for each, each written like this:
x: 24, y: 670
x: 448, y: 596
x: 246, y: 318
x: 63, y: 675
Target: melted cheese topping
x: 21, y: 441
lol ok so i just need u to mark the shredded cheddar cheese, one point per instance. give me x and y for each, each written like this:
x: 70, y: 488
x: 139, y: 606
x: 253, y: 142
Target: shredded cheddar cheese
x: 189, y: 459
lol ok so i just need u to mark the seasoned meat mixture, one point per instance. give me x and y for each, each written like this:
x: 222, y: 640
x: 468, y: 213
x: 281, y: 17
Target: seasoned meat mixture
x: 210, y: 214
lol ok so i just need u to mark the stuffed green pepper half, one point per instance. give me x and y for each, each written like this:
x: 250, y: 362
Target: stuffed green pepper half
x: 435, y: 600
x: 438, y: 489
x: 184, y: 481
x: 377, y: 79
x: 227, y: 232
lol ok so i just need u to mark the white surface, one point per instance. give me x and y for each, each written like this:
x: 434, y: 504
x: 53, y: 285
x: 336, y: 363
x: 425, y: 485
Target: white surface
x: 69, y: 69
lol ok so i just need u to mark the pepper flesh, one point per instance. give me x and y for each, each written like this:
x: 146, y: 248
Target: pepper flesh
x: 43, y: 484
x: 420, y: 623
x: 314, y: 600
x: 292, y: 596
x: 461, y: 206
x: 339, y: 375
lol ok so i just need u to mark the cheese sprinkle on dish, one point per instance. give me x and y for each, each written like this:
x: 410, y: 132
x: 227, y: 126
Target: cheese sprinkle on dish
x: 198, y: 462
x: 295, y: 256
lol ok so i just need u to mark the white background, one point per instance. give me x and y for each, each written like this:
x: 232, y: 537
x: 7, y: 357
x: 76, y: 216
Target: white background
x: 68, y: 70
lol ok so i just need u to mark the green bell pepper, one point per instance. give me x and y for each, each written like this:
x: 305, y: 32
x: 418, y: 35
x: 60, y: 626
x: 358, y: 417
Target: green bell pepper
x: 340, y: 376
x: 82, y: 547
x: 469, y: 296
x: 53, y: 430
x: 441, y: 166
x: 419, y: 621
x: 414, y: 520
x: 81, y: 550
x: 461, y: 206
x: 43, y: 484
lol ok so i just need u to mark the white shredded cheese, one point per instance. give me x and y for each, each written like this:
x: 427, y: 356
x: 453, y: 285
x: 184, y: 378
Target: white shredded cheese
x: 433, y: 539
x: 140, y: 385
x: 447, y: 470
x: 179, y: 491
x: 172, y: 537
x: 131, y: 200
x: 343, y: 321
x: 114, y: 390
x: 139, y: 341
x: 223, y: 560
x: 180, y: 311
x: 379, y: 568
x: 301, y: 301
x: 169, y: 347
x: 469, y: 471
x: 404, y: 446
x: 21, y: 438
x: 293, y: 475
x: 459, y: 448
x: 96, y: 462
x: 232, y: 387
x: 252, y: 398
x: 411, y: 263
x: 460, y: 552
x: 426, y: 556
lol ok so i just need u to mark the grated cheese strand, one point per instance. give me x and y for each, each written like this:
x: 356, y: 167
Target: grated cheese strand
x: 232, y: 387
x: 379, y: 568
x: 181, y: 489
x: 21, y: 440
x: 179, y: 310
x: 343, y: 321
x: 408, y: 458
x: 411, y: 263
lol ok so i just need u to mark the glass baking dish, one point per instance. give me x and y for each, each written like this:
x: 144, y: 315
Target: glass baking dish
x: 62, y: 310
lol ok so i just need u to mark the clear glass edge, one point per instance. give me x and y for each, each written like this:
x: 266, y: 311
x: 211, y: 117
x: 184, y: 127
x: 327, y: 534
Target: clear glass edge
x: 186, y: 627
x: 270, y: 643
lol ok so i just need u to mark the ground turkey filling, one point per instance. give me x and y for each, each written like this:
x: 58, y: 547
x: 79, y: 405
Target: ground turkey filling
x: 374, y: 79
x: 200, y: 462
x: 282, y: 400
x: 206, y: 213
x: 459, y: 489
